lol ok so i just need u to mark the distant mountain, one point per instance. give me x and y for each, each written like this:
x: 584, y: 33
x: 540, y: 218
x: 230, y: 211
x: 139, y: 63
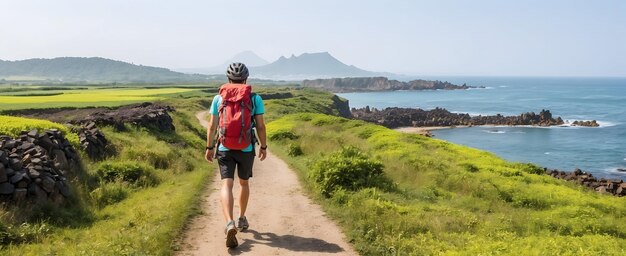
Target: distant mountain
x: 309, y: 65
x: 95, y: 69
x: 246, y: 57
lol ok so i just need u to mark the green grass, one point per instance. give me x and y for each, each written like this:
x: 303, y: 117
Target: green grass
x: 449, y: 199
x: 303, y: 100
x: 445, y: 198
x: 14, y: 126
x: 133, y: 203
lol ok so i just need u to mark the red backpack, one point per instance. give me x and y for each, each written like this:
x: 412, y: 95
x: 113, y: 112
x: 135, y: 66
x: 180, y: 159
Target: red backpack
x: 235, y: 113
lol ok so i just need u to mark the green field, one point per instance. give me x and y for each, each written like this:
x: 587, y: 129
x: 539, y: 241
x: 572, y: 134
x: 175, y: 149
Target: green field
x: 91, y: 97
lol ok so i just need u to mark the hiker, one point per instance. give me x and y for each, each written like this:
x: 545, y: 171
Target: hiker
x: 235, y: 113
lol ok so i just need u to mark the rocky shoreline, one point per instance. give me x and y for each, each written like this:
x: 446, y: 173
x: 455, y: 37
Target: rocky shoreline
x: 616, y: 187
x: 422, y: 121
x: 440, y: 117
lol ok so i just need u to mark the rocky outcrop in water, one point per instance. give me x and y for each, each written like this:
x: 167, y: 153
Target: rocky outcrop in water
x: 616, y: 187
x: 33, y: 167
x: 365, y: 84
x: 403, y: 117
x: 591, y: 123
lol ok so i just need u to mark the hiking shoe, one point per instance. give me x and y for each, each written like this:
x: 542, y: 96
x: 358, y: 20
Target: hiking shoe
x: 231, y: 231
x: 242, y: 223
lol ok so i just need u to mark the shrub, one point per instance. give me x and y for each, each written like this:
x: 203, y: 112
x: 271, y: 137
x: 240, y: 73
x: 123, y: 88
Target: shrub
x: 131, y: 172
x: 109, y: 193
x: 470, y: 167
x: 348, y: 169
x: 159, y: 156
x: 294, y: 150
x: 282, y: 135
x: 23, y: 233
x: 530, y: 168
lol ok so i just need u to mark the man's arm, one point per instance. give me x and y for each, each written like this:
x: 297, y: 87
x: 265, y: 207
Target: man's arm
x: 260, y: 129
x: 211, y: 131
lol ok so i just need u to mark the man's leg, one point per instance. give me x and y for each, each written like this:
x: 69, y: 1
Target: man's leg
x: 227, y: 199
x: 244, y: 194
x: 245, y: 161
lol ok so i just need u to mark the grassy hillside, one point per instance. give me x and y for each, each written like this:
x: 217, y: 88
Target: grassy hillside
x: 393, y: 193
x: 446, y: 199
x: 115, y: 215
x: 133, y: 203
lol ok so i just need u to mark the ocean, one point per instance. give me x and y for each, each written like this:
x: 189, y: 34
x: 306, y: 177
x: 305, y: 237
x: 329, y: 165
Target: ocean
x: 601, y: 151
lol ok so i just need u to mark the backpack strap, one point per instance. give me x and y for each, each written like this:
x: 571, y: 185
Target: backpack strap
x: 252, y: 95
x: 254, y: 139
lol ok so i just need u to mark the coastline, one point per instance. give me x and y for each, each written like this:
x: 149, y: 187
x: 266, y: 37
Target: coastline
x: 604, y: 185
x: 424, y: 130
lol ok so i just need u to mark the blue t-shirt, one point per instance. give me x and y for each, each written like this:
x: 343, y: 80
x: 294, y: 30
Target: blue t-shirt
x: 257, y: 109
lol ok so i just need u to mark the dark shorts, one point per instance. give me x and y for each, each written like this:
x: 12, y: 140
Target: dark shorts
x: 228, y: 160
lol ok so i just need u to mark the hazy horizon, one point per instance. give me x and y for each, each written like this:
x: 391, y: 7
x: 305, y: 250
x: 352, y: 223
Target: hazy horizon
x: 459, y: 38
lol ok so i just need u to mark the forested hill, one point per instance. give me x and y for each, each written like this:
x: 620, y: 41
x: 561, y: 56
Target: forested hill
x: 92, y: 69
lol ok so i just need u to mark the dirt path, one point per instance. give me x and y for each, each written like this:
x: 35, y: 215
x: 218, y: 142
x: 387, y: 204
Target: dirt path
x: 282, y: 220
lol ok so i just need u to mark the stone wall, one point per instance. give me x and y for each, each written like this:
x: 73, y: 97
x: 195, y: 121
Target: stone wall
x: 146, y: 115
x: 92, y: 140
x: 33, y: 167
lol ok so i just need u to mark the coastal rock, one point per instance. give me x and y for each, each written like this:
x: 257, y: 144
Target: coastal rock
x: 591, y: 123
x: 403, y: 117
x: 343, y: 106
x: 616, y: 187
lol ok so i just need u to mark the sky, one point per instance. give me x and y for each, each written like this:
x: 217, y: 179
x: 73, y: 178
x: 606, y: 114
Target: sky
x: 437, y: 37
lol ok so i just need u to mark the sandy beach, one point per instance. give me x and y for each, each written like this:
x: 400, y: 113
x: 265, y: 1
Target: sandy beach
x: 425, y: 130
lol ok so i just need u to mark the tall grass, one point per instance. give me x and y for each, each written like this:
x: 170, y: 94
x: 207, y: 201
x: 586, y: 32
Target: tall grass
x: 450, y: 199
x: 135, y: 202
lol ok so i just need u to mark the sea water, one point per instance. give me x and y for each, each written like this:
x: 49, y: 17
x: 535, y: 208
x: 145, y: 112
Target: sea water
x: 601, y: 151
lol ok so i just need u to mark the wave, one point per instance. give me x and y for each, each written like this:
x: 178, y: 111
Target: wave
x: 481, y: 88
x: 602, y: 124
x: 606, y: 123
x: 615, y: 171
x: 546, y: 153
x: 474, y: 113
x: 495, y: 131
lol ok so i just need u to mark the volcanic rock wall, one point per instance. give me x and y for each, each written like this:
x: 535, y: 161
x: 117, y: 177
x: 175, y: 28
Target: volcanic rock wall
x: 33, y: 167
